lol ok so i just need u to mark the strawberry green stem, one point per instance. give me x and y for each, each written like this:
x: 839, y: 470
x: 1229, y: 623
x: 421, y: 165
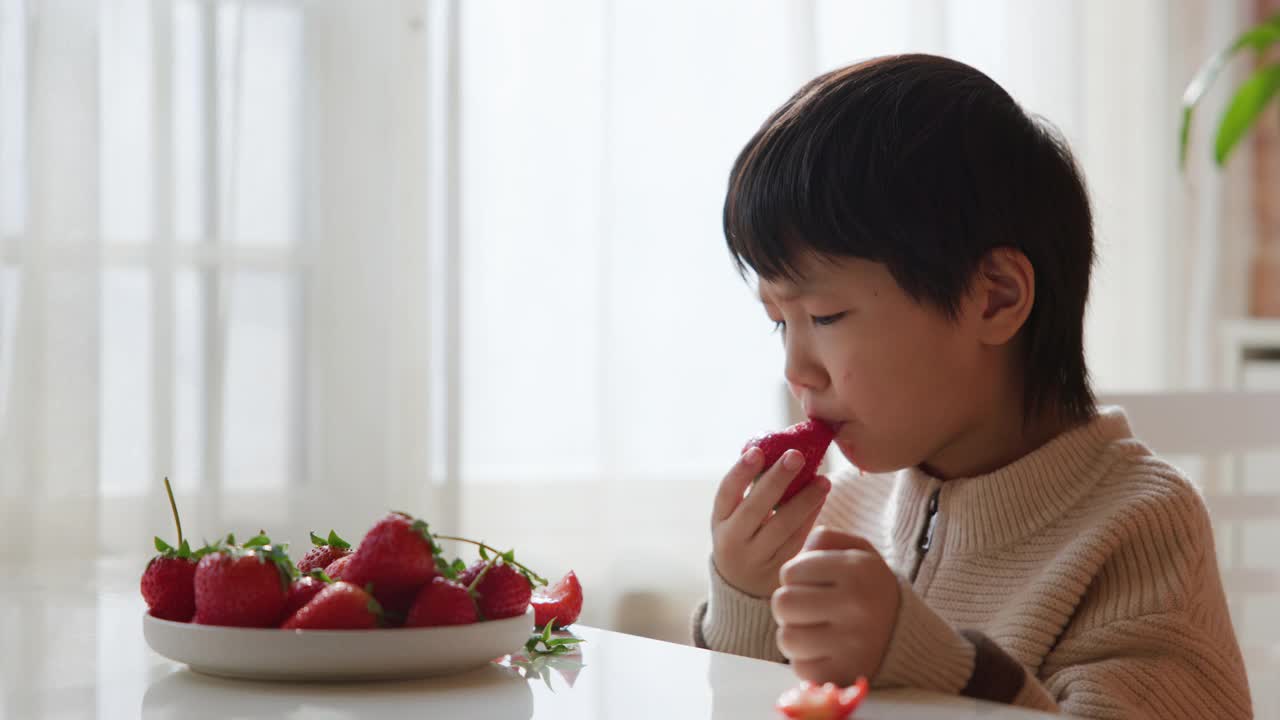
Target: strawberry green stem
x: 484, y: 571
x: 495, y: 551
x: 174, y: 507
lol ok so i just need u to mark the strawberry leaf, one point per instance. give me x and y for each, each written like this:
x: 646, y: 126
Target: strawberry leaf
x: 335, y: 541
x: 162, y: 546
x: 550, y: 646
x: 317, y: 540
x: 484, y: 555
x: 257, y: 541
x: 318, y: 574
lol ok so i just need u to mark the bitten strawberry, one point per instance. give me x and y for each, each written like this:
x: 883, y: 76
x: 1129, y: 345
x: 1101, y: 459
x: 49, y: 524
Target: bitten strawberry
x: 442, y: 602
x: 822, y: 702
x: 243, y: 586
x: 560, y: 603
x: 326, y: 550
x: 397, y: 557
x: 168, y: 583
x: 811, y: 438
x: 303, y: 589
x: 340, y: 606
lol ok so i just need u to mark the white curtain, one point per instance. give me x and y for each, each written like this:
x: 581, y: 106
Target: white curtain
x: 317, y: 259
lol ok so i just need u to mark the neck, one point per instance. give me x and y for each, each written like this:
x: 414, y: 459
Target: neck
x: 993, y: 442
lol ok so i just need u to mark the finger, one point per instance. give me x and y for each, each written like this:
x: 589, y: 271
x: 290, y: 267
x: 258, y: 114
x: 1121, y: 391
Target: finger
x: 817, y: 567
x: 825, y: 538
x: 800, y: 643
x: 804, y: 604
x: 769, y: 488
x: 793, y: 543
x: 735, y: 483
x: 792, y: 515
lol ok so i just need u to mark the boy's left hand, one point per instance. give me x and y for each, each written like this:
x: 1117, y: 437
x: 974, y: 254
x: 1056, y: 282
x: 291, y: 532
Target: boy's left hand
x: 836, y: 608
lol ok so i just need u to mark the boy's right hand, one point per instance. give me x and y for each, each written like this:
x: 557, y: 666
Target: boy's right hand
x: 750, y: 540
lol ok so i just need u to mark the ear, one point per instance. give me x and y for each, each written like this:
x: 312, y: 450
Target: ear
x: 1003, y: 293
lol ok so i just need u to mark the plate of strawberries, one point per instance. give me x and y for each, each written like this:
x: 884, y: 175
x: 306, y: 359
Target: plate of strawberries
x: 391, y: 607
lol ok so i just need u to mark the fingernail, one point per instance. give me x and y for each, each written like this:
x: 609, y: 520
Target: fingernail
x: 752, y: 456
x: 792, y: 460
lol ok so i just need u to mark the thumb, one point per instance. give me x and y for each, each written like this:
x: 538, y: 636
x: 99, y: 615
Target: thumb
x: 825, y: 538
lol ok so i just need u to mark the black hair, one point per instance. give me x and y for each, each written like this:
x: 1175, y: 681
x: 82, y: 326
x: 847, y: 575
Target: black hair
x: 926, y: 165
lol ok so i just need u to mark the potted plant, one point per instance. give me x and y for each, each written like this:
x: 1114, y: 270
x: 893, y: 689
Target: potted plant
x: 1247, y: 104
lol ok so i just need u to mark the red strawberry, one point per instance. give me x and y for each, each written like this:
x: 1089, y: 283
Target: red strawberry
x: 168, y: 586
x: 340, y: 606
x: 442, y: 602
x: 810, y: 437
x: 398, y: 557
x: 561, y: 602
x: 243, y: 586
x: 168, y: 583
x: 338, y: 567
x: 822, y: 702
x: 301, y: 592
x: 503, y: 590
x: 326, y: 550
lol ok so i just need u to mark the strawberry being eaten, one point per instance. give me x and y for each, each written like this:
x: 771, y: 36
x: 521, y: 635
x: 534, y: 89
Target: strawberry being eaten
x: 810, y: 437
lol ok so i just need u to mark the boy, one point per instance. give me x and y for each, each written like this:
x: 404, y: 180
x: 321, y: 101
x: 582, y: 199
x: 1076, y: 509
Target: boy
x: 924, y: 248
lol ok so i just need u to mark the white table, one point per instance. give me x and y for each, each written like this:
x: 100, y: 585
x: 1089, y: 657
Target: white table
x: 73, y: 648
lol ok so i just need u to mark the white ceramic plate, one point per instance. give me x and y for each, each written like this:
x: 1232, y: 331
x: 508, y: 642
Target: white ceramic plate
x: 334, y: 655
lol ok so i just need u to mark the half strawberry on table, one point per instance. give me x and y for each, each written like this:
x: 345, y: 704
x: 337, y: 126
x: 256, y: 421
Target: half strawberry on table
x: 822, y: 702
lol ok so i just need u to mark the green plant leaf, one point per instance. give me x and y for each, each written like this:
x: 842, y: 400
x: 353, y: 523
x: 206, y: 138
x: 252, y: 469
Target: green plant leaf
x: 484, y: 555
x: 162, y: 546
x: 317, y: 540
x: 1250, y: 99
x: 257, y: 541
x: 1257, y: 38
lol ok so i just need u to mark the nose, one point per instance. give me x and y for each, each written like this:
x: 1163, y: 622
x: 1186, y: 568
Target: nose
x: 804, y: 373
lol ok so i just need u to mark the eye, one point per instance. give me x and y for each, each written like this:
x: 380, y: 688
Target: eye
x: 826, y: 319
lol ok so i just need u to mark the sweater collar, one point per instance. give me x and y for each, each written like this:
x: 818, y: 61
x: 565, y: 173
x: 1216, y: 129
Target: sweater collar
x: 999, y: 507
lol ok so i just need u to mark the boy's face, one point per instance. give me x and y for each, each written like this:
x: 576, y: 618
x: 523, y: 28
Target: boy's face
x: 901, y: 379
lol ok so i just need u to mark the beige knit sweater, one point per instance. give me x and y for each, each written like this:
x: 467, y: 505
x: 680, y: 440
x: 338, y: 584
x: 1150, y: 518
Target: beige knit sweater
x: 1080, y: 578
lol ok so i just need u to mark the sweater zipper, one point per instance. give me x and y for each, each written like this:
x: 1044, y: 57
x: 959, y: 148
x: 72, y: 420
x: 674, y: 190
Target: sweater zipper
x: 926, y: 533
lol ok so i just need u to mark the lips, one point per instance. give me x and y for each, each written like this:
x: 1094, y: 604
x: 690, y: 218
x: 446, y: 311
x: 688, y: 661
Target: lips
x: 835, y: 425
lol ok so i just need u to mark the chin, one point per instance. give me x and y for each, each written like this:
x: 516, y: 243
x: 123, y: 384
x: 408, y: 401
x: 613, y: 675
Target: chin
x: 869, y: 462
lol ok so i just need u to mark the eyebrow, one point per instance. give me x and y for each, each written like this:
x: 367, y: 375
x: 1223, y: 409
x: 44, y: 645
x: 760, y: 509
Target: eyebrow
x: 795, y: 291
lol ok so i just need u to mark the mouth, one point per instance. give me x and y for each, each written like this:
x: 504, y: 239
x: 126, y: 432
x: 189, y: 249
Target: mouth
x: 834, y: 425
